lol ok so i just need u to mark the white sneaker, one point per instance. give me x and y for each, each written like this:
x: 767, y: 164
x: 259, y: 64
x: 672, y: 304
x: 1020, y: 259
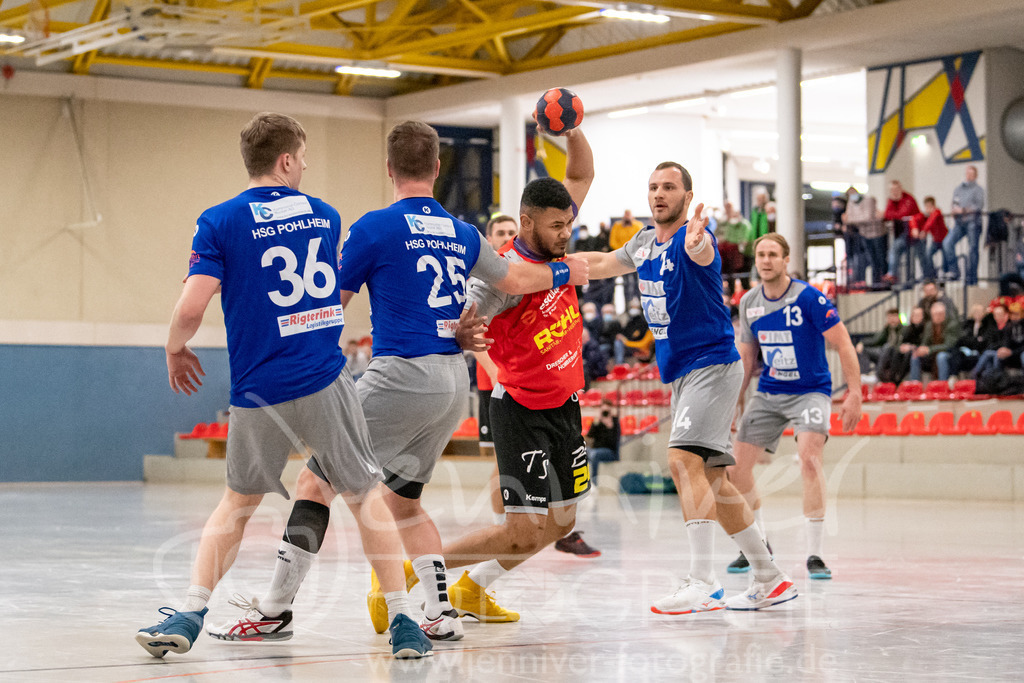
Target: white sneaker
x: 764, y: 594
x: 445, y: 627
x: 253, y: 625
x: 692, y: 596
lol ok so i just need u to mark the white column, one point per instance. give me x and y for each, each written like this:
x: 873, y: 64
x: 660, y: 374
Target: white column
x: 512, y: 155
x: 789, y: 181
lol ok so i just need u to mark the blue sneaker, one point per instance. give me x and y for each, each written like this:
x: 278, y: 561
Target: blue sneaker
x: 816, y: 568
x: 174, y: 634
x: 407, y: 640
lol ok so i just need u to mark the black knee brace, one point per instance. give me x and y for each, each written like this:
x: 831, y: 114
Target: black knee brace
x: 307, y: 525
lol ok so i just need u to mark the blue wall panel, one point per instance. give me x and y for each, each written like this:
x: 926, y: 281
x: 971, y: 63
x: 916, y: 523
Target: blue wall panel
x: 89, y: 413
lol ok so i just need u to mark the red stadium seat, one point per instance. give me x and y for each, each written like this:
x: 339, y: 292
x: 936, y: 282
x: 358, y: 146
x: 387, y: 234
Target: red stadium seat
x: 972, y: 422
x: 1020, y: 424
x: 219, y: 431
x: 649, y: 424
x: 588, y: 421
x: 633, y: 397
x: 863, y: 427
x: 913, y: 424
x: 910, y: 390
x: 964, y: 389
x: 836, y: 425
x: 883, y: 391
x: 886, y: 425
x: 628, y: 425
x: 942, y: 423
x: 1001, y: 422
x: 649, y: 372
x: 937, y: 390
x: 469, y: 427
x: 788, y: 431
x: 612, y: 396
x: 200, y: 431
x: 591, y: 397
x: 620, y: 372
x: 655, y: 397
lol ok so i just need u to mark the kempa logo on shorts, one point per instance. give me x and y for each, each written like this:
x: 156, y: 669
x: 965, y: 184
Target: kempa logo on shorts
x: 280, y: 209
x: 775, y: 337
x: 536, y: 499
x: 441, y: 226
x: 307, y: 321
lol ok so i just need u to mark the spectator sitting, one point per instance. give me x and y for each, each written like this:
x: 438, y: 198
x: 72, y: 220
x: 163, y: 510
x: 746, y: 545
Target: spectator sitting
x: 899, y: 210
x: 604, y: 438
x: 937, y: 341
x: 1011, y: 283
x: 595, y: 360
x: 601, y: 239
x: 636, y: 339
x: 974, y: 339
x: 591, y: 320
x: 928, y: 229
x: 882, y: 351
x: 968, y: 203
x: 930, y: 293
x: 912, y: 338
x: 611, y: 328
x: 998, y: 343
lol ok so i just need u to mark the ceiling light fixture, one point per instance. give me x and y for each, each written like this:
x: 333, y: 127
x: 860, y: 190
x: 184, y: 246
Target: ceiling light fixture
x: 682, y: 104
x: 634, y: 15
x: 623, y: 113
x: 11, y: 38
x: 367, y: 71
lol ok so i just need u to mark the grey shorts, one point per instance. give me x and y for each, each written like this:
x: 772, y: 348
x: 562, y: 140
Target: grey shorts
x: 328, y: 424
x: 766, y: 416
x: 703, y: 403
x: 412, y: 406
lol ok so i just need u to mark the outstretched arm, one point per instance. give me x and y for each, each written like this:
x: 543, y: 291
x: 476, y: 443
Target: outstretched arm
x: 699, y: 247
x: 579, y: 165
x: 604, y: 264
x: 183, y: 367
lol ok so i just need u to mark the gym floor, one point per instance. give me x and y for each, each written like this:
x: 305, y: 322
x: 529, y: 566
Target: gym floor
x: 921, y: 590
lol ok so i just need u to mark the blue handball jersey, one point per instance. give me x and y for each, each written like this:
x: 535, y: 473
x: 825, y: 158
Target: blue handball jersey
x: 414, y: 257
x: 682, y: 303
x: 789, y: 331
x: 275, y: 251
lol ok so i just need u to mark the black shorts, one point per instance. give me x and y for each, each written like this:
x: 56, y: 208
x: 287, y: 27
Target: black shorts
x: 542, y: 458
x: 484, y: 421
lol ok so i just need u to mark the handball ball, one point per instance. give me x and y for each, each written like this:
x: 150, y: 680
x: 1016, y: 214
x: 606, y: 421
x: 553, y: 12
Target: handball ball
x: 559, y: 110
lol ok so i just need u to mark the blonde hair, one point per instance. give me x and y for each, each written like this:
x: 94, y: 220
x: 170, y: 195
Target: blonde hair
x: 774, y: 237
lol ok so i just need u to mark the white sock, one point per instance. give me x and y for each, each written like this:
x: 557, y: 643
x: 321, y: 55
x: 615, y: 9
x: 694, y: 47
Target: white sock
x: 701, y: 533
x: 754, y: 549
x: 292, y: 565
x: 759, y: 520
x: 431, y: 573
x: 486, y: 573
x: 196, y: 598
x: 815, y: 535
x: 398, y: 603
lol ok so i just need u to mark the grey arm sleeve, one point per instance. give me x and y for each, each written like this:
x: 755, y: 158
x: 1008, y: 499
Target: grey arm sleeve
x: 623, y: 256
x: 490, y: 300
x: 489, y: 267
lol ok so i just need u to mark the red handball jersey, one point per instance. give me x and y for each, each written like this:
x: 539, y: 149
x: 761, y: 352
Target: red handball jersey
x: 538, y: 345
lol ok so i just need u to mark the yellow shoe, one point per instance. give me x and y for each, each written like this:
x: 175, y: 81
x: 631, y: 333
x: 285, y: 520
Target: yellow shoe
x: 376, y: 603
x: 470, y: 599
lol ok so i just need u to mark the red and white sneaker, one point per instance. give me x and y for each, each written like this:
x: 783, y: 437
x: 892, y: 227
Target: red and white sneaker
x: 691, y: 597
x: 445, y: 627
x: 763, y: 594
x: 253, y: 625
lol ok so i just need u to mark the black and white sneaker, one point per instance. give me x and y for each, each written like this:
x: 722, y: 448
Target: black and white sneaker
x: 253, y: 625
x: 816, y: 568
x: 739, y: 565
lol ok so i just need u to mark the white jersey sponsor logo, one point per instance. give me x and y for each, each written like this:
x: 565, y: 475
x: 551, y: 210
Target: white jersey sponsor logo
x: 446, y: 328
x: 784, y: 375
x: 659, y: 332
x: 286, y: 207
x: 441, y: 226
x: 775, y: 337
x: 641, y: 254
x: 655, y: 310
x: 755, y: 312
x: 652, y: 287
x: 779, y: 357
x: 307, y: 321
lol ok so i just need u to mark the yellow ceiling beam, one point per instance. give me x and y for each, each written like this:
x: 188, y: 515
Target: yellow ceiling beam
x: 16, y: 15
x: 805, y: 8
x: 476, y: 11
x: 723, y: 10
x: 509, y: 27
x: 629, y: 46
x: 395, y: 20
x: 114, y: 60
x: 259, y: 67
x: 547, y: 41
x: 83, y: 61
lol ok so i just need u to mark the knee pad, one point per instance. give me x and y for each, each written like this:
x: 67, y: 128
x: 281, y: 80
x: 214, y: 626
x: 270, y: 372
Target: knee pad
x: 307, y: 525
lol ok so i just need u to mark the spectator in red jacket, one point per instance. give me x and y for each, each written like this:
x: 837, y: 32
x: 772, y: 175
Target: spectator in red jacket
x: 927, y: 230
x: 901, y: 207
